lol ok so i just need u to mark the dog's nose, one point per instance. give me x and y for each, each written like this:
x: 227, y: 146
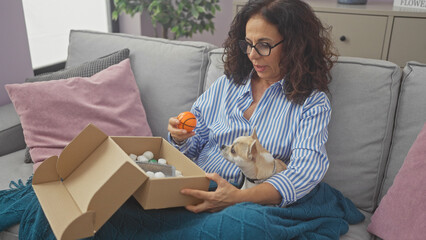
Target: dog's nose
x: 222, y: 147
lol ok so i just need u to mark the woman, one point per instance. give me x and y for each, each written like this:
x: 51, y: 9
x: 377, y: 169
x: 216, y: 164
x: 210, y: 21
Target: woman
x: 278, y: 59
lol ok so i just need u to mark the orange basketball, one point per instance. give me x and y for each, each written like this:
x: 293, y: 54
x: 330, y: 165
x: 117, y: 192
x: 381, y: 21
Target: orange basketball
x: 187, y: 121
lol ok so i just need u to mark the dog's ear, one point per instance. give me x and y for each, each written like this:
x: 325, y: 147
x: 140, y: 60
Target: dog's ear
x: 252, y: 150
x: 254, y: 135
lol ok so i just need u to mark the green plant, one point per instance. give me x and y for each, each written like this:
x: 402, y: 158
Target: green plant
x: 181, y: 17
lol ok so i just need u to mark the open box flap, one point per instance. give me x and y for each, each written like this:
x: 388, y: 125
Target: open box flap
x: 82, y: 227
x: 56, y: 168
x: 83, y: 187
x: 62, y: 212
x: 46, y: 172
x: 104, y: 173
x: 117, y: 190
x: 79, y: 149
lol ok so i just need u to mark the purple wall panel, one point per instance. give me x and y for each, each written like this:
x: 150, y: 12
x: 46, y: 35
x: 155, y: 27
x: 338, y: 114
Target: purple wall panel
x: 15, y: 60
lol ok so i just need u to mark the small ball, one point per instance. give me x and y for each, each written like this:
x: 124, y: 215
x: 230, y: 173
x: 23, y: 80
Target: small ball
x: 187, y: 121
x: 162, y: 161
x: 142, y: 158
x: 152, y: 161
x: 150, y: 174
x: 159, y: 175
x: 148, y: 154
x: 133, y: 156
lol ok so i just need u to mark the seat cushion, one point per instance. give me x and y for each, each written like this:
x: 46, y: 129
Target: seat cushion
x: 363, y: 98
x: 11, y: 233
x: 13, y: 168
x: 359, y: 231
x: 162, y: 69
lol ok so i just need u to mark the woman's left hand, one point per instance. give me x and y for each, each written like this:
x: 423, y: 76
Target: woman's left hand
x: 225, y: 195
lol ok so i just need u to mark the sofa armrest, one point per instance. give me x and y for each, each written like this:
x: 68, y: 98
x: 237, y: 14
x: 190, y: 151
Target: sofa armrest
x: 11, y: 133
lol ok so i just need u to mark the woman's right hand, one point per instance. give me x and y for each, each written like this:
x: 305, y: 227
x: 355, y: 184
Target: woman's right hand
x: 178, y: 135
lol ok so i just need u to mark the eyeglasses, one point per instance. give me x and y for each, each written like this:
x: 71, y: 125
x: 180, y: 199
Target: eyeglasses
x: 263, y: 48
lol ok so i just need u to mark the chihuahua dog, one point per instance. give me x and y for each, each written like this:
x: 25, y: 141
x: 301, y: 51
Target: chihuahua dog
x: 256, y: 163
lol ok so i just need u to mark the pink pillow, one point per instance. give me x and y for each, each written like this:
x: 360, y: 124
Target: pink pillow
x: 402, y: 211
x: 52, y: 113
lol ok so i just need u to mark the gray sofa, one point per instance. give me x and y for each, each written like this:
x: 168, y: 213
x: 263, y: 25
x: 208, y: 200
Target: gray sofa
x: 378, y: 110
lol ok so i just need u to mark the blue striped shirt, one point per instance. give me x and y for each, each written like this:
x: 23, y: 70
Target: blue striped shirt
x: 294, y: 133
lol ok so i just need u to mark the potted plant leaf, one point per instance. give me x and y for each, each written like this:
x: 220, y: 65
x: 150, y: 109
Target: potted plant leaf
x: 182, y: 18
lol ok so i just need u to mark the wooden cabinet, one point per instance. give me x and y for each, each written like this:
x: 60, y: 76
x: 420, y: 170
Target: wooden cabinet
x: 352, y: 38
x: 408, y: 40
x: 374, y: 30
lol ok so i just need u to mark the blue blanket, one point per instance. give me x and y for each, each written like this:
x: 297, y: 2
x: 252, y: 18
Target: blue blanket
x: 323, y: 214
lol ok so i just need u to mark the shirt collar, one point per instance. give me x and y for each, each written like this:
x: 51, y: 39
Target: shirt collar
x: 281, y: 82
x: 247, y: 86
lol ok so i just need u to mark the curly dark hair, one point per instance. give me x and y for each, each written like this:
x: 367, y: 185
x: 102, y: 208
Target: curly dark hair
x: 307, y: 52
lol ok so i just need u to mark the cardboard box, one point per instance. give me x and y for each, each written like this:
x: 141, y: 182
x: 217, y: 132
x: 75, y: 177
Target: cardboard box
x: 165, y: 192
x: 94, y: 175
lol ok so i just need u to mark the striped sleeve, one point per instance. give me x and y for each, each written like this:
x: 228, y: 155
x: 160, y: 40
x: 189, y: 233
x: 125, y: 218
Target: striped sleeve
x: 207, y: 102
x: 308, y: 162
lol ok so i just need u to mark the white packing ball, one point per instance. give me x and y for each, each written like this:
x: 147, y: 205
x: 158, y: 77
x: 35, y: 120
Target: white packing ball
x: 162, y: 161
x: 159, y: 175
x: 150, y: 174
x: 133, y: 156
x: 148, y: 154
x: 142, y: 158
x: 178, y: 173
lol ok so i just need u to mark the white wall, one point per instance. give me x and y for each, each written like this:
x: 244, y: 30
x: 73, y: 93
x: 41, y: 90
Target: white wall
x: 15, y: 60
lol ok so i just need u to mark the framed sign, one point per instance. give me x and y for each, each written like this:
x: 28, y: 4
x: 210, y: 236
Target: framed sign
x: 419, y: 4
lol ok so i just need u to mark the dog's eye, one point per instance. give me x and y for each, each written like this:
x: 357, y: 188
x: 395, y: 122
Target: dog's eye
x: 232, y: 150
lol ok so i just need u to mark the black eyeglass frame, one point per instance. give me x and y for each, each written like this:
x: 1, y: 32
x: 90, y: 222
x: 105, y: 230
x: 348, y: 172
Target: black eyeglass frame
x: 240, y: 42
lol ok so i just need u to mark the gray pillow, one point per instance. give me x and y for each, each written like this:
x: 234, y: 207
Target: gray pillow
x: 86, y: 69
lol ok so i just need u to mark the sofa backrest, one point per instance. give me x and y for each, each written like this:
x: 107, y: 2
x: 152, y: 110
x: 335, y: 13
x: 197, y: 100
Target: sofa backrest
x: 363, y: 94
x: 215, y: 67
x: 161, y: 67
x: 409, y: 120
